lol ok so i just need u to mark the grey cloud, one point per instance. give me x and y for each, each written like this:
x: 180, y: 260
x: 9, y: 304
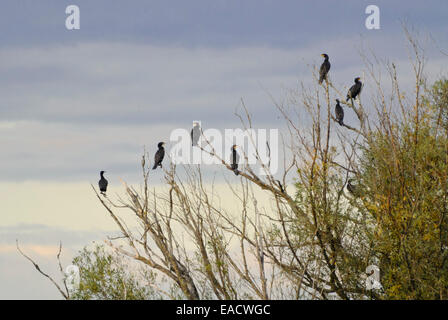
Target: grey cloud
x: 138, y: 84
x: 109, y: 83
x: 71, y: 108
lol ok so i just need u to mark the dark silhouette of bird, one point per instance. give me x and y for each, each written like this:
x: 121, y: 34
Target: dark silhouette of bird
x: 234, y: 160
x: 158, y: 157
x: 324, y: 68
x: 354, y: 89
x: 102, y: 184
x: 353, y: 189
x: 195, y: 134
x: 339, y: 112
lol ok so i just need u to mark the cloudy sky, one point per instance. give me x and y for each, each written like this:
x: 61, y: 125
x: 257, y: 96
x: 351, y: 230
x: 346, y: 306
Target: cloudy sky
x: 76, y: 102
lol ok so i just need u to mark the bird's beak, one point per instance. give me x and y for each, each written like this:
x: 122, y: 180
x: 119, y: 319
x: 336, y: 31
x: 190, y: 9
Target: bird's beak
x: 322, y: 55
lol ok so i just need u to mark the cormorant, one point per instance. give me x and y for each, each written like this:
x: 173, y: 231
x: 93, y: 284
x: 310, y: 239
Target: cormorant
x: 158, y: 158
x: 195, y: 134
x: 354, y: 89
x: 324, y: 68
x: 102, y: 184
x: 339, y: 112
x: 234, y: 160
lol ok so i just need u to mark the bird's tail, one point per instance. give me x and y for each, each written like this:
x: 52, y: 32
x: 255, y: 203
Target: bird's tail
x: 341, y: 122
x: 320, y: 80
x: 236, y: 172
x: 155, y: 166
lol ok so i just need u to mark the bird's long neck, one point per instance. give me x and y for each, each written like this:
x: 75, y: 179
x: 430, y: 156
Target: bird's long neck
x: 101, y: 175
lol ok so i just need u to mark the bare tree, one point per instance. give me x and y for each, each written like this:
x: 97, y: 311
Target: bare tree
x: 317, y: 237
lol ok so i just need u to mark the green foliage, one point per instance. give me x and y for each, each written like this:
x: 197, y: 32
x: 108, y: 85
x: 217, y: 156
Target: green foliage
x: 105, y: 276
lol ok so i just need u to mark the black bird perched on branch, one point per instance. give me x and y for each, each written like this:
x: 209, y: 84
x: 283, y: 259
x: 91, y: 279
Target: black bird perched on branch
x: 339, y: 112
x: 102, y: 184
x: 324, y: 68
x: 158, y: 158
x: 195, y: 134
x: 353, y: 189
x: 354, y: 89
x: 234, y: 160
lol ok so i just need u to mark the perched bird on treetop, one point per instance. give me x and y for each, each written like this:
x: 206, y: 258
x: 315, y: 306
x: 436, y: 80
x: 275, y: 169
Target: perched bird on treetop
x: 158, y: 158
x: 339, y: 112
x: 354, y: 89
x: 195, y: 134
x: 234, y: 159
x: 324, y: 68
x: 102, y: 184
